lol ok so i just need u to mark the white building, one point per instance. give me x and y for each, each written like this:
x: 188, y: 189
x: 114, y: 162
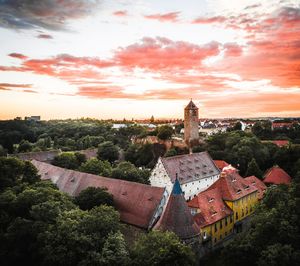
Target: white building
x: 195, y: 172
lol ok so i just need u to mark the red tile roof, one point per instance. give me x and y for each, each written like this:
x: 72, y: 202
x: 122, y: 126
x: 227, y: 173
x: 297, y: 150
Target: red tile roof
x: 277, y: 175
x: 177, y: 216
x: 281, y: 143
x: 261, y: 187
x: 43, y: 156
x: 190, y: 167
x: 231, y: 185
x: 281, y: 124
x: 221, y: 164
x: 211, y: 205
x: 135, y: 202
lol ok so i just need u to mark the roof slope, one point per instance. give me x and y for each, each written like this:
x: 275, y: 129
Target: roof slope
x: 221, y: 164
x: 135, y: 202
x: 43, y: 156
x: 191, y: 105
x: 211, y: 205
x: 177, y: 216
x: 261, y: 187
x: 231, y: 185
x: 277, y: 175
x: 190, y: 167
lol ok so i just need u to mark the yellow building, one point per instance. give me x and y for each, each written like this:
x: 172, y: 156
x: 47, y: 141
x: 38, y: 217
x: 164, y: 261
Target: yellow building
x: 220, y: 209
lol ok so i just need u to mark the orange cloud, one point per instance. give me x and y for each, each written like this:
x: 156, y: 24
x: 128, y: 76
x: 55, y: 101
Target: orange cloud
x: 209, y: 20
x: 167, y: 17
x: 162, y: 54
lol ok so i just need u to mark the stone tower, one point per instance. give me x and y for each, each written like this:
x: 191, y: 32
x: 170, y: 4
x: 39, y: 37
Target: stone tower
x: 191, y: 124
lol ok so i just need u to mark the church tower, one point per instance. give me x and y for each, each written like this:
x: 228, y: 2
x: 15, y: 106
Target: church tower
x: 191, y: 124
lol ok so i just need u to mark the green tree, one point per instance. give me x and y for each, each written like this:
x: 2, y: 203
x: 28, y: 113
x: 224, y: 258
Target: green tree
x: 253, y: 169
x: 114, y: 251
x: 127, y: 171
x: 25, y: 146
x: 66, y: 160
x: 97, y: 167
x: 171, y: 152
x: 161, y: 248
x: 165, y: 132
x: 107, y: 151
x: 92, y: 196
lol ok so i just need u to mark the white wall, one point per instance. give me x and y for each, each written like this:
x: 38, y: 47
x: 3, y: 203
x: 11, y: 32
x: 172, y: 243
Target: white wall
x: 160, y: 178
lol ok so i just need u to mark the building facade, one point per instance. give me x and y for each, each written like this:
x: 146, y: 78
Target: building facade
x: 191, y: 123
x: 195, y: 172
x: 222, y: 209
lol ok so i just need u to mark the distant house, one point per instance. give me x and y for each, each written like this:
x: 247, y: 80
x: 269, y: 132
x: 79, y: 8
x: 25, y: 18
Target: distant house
x: 220, y: 164
x: 279, y: 143
x: 33, y: 118
x: 177, y: 217
x: 195, y: 173
x: 276, y: 176
x: 281, y: 125
x: 42, y: 156
x: 139, y: 205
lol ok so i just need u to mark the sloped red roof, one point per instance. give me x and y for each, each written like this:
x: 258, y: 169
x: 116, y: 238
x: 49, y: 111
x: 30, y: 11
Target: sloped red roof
x: 190, y: 167
x: 135, y: 202
x: 231, y: 185
x: 281, y: 143
x: 43, y: 156
x: 277, y: 175
x: 211, y: 205
x: 260, y: 185
x: 221, y: 164
x: 177, y: 216
x: 281, y: 124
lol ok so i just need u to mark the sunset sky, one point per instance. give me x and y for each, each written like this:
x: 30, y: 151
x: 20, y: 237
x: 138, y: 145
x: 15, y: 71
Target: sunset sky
x: 137, y: 58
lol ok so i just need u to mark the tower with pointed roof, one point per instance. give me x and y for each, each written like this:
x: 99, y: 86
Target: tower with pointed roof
x: 191, y: 123
x: 178, y: 218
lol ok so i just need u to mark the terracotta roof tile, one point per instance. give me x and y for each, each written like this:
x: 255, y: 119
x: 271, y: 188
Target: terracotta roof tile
x: 135, y: 202
x: 43, y: 156
x: 254, y: 181
x: 231, y: 185
x: 190, y: 167
x: 221, y: 164
x: 277, y: 175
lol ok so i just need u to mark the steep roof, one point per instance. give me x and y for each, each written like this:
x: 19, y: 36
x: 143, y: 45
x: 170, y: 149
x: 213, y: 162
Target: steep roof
x: 221, y: 164
x: 177, y: 216
x: 254, y: 181
x: 231, y: 185
x: 277, y: 175
x: 190, y: 167
x: 211, y: 205
x: 191, y: 106
x: 135, y: 202
x: 43, y: 156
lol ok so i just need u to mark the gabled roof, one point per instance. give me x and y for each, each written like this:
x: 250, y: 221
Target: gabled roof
x: 190, y: 167
x: 254, y: 181
x: 221, y: 164
x: 231, y: 185
x: 191, y: 106
x: 211, y: 205
x: 177, y: 216
x: 135, y: 202
x: 43, y: 156
x: 277, y: 175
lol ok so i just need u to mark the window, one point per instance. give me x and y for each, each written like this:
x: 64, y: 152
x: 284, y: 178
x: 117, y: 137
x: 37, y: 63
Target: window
x: 216, y: 229
x: 204, y: 235
x: 221, y: 224
x: 231, y: 218
x: 242, y: 212
x: 215, y: 240
x: 226, y: 221
x: 246, y: 210
x: 236, y: 216
x: 225, y: 233
x: 220, y: 236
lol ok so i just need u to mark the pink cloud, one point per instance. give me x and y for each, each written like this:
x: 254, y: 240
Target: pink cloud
x: 167, y: 17
x: 44, y: 36
x: 120, y: 13
x: 17, y: 55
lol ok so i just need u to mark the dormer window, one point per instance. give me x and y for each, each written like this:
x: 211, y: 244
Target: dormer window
x: 233, y: 180
x: 211, y: 200
x: 247, y: 187
x: 238, y: 192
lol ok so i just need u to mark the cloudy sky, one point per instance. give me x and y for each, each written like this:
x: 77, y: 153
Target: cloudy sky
x: 137, y: 58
